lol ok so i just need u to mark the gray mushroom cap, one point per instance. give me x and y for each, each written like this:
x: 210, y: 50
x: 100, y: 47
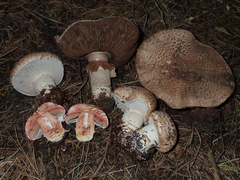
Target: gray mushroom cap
x: 36, y: 71
x: 183, y: 72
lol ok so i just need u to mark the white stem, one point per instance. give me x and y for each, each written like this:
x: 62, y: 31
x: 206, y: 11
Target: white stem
x: 150, y: 133
x: 100, y: 80
x: 132, y: 120
x: 44, y: 82
x: 85, y: 119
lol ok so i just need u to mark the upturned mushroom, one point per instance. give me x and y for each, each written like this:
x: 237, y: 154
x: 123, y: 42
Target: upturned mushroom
x: 136, y: 103
x: 183, y: 72
x: 47, y: 121
x: 38, y: 74
x: 86, y: 116
x: 159, y: 132
x: 106, y: 44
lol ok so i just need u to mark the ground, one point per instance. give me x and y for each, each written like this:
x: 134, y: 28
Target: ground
x: 208, y: 146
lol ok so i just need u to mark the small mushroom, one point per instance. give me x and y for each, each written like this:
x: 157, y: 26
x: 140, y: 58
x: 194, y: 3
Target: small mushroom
x: 136, y: 103
x: 159, y: 132
x: 47, y: 121
x: 38, y: 74
x: 183, y: 72
x: 106, y: 44
x: 85, y: 117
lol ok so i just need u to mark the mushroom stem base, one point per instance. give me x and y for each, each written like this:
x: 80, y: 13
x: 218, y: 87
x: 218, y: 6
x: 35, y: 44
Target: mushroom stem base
x: 131, y: 121
x: 100, y: 82
x: 44, y: 82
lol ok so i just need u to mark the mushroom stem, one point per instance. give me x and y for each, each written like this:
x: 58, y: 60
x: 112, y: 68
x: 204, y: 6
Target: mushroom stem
x: 98, y: 56
x: 131, y: 121
x: 100, y: 82
x: 85, y: 123
x: 44, y: 82
x: 100, y: 72
x: 136, y: 104
x: 48, y: 90
x: 146, y: 137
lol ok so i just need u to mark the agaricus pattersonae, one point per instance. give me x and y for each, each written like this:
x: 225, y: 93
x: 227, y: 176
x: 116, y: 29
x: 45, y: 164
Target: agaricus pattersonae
x: 46, y: 121
x: 183, y: 72
x: 86, y: 116
x: 106, y: 44
x: 136, y: 103
x: 142, y: 129
x: 38, y: 74
x: 158, y: 133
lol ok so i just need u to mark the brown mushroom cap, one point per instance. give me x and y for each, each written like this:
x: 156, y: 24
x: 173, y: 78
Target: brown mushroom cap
x: 183, y: 72
x: 116, y: 35
x: 166, y: 130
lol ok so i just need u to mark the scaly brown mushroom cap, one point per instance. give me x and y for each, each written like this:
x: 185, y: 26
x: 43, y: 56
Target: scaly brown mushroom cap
x: 182, y: 71
x: 115, y: 35
x: 167, y: 131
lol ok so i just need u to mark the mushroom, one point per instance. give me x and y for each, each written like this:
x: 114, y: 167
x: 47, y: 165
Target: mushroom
x: 85, y: 117
x: 106, y: 44
x: 136, y: 103
x: 46, y: 121
x: 183, y: 72
x: 38, y: 74
x: 159, y: 132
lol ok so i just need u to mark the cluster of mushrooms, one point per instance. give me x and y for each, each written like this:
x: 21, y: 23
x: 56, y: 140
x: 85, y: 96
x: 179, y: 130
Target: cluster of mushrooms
x: 171, y: 65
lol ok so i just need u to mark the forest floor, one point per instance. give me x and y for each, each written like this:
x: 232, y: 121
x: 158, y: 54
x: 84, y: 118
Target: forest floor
x: 208, y: 145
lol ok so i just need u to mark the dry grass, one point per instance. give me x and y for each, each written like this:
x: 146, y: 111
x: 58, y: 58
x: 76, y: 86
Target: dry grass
x: 29, y: 26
